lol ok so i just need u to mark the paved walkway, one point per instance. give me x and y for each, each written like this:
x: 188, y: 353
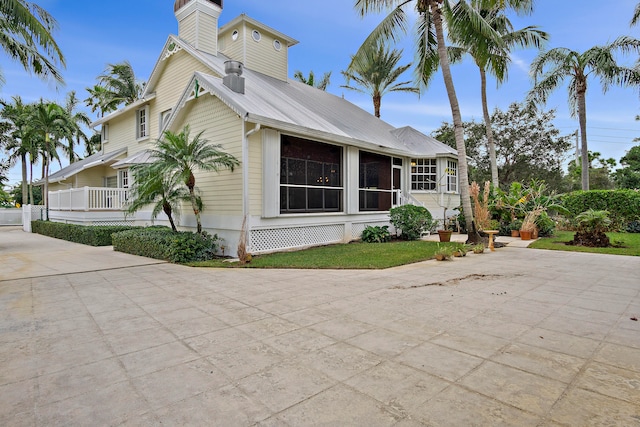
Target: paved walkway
x: 516, y: 337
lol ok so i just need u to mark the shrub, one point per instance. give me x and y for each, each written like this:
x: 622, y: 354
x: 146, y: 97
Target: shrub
x: 165, y: 244
x: 633, y: 227
x: 546, y: 225
x: 623, y: 205
x: 591, y: 229
x: 92, y: 235
x: 411, y: 220
x: 376, y: 234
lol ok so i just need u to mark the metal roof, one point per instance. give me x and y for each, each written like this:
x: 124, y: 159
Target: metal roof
x: 139, y: 158
x: 86, y: 163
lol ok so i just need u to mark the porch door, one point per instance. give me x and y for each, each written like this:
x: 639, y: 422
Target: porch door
x: 397, y: 182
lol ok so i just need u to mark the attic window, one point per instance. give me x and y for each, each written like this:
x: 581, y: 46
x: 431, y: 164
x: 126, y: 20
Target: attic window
x: 277, y: 45
x: 256, y: 35
x: 234, y: 35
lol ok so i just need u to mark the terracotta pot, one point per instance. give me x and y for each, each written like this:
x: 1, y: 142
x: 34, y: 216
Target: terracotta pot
x: 515, y: 233
x: 445, y: 235
x: 525, y: 235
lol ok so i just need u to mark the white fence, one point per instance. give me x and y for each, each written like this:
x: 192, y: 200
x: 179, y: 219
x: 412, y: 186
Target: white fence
x: 88, y: 199
x: 10, y: 216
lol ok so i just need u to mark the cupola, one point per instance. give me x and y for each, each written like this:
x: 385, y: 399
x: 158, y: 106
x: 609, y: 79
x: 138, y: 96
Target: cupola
x: 198, y: 23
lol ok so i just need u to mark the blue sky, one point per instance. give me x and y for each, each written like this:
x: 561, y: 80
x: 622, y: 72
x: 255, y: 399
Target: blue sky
x: 93, y: 34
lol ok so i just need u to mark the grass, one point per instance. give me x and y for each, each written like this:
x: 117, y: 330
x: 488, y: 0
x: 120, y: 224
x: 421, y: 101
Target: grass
x: 626, y: 244
x: 342, y: 256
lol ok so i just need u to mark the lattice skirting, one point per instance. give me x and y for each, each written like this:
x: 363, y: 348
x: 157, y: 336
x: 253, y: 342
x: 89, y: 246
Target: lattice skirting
x: 113, y: 223
x: 294, y: 237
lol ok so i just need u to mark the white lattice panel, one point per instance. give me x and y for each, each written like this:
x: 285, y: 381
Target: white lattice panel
x: 357, y: 229
x: 113, y: 223
x: 292, y: 237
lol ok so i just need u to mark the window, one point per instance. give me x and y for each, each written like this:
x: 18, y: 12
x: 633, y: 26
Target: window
x: 256, y: 35
x: 375, y: 182
x: 452, y: 176
x: 142, y: 124
x: 104, y: 132
x: 310, y: 176
x: 277, y: 45
x: 424, y: 175
x: 111, y: 181
x: 164, y: 118
x: 123, y: 178
x: 234, y: 35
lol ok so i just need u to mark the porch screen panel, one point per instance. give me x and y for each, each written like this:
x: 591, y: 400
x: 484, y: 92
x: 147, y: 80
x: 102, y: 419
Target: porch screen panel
x: 310, y: 176
x: 375, y: 182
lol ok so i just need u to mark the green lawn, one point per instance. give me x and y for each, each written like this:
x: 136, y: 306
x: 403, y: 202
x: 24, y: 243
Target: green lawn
x: 341, y: 256
x: 626, y: 244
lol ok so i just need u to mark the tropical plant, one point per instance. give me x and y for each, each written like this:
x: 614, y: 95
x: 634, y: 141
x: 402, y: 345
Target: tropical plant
x: 411, y: 220
x: 162, y: 191
x: 592, y: 225
x: 117, y: 86
x: 478, y: 248
x: 322, y: 84
x: 494, y: 58
x: 50, y: 122
x: 376, y: 234
x: 15, y: 137
x: 431, y: 50
x: 26, y: 36
x: 375, y: 72
x: 76, y: 121
x: 443, y: 252
x: 179, y: 156
x: 552, y: 67
x: 481, y: 205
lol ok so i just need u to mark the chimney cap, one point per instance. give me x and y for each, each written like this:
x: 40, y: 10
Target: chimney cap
x: 180, y: 3
x: 233, y: 67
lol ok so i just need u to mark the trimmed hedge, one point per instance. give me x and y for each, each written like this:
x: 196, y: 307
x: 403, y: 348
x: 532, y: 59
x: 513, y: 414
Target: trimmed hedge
x: 92, y: 235
x: 623, y: 205
x: 165, y: 244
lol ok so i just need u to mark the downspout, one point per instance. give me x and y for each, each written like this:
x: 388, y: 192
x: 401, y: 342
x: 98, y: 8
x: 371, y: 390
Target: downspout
x: 245, y: 177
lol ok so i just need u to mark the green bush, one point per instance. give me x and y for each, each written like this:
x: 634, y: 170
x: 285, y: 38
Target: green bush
x: 546, y: 225
x: 376, y: 234
x: 411, y: 220
x: 623, y: 205
x: 162, y: 243
x: 633, y: 227
x: 93, y: 235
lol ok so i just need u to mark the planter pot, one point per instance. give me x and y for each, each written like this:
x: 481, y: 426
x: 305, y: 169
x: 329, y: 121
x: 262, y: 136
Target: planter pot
x: 525, y: 235
x: 534, y: 234
x: 515, y: 233
x: 445, y: 235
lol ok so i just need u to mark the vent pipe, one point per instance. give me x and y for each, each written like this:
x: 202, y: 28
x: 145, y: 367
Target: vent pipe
x: 233, y: 79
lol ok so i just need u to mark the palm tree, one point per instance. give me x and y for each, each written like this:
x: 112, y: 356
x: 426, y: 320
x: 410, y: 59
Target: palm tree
x: 180, y: 156
x: 119, y: 85
x: 431, y: 50
x: 26, y: 36
x: 636, y: 15
x: 17, y: 116
x: 97, y: 100
x: 375, y: 73
x: 552, y: 67
x: 494, y: 58
x: 162, y: 191
x: 50, y: 121
x: 311, y: 80
x: 76, y: 119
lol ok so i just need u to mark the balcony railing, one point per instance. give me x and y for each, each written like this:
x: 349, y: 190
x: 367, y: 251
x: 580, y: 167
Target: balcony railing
x: 88, y: 199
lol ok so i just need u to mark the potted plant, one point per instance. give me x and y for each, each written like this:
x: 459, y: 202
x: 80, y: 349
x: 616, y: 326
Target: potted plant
x: 443, y: 253
x: 515, y: 227
x: 444, y: 235
x: 478, y: 248
x: 460, y: 249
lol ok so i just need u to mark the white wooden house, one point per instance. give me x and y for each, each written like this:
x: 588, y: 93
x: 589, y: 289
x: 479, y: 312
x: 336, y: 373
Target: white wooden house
x: 315, y: 169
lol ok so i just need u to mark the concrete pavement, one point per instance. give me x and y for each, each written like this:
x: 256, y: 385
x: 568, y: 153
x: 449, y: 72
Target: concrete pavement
x: 513, y: 337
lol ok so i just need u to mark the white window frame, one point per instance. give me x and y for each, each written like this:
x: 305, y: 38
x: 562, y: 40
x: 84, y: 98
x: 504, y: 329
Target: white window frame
x: 163, y: 119
x: 452, y: 176
x: 418, y: 168
x: 123, y: 178
x: 142, y: 123
x: 104, y: 133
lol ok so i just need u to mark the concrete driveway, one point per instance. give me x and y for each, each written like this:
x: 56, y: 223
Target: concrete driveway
x: 521, y: 337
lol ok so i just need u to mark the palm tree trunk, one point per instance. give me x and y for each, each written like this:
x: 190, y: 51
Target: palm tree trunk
x: 166, y: 207
x: 377, y: 100
x: 489, y: 130
x: 23, y: 159
x: 463, y: 170
x: 582, y: 117
x: 46, y: 185
x: 196, y: 211
x: 30, y: 180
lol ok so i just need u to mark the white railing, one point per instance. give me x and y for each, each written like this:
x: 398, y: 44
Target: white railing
x: 88, y: 199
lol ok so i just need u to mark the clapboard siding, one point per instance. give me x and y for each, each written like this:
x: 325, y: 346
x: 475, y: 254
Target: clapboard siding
x: 255, y: 173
